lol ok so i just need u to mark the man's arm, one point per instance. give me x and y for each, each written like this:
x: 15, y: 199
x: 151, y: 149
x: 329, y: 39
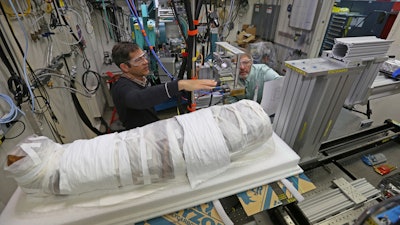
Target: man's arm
x: 192, y: 85
x: 268, y: 73
x: 154, y: 95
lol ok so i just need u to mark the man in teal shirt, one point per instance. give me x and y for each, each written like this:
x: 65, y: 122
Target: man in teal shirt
x: 253, y: 77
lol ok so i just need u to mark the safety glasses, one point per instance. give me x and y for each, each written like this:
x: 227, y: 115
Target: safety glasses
x: 137, y: 61
x: 245, y: 62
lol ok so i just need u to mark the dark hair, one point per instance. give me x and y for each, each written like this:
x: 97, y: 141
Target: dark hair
x: 121, y: 50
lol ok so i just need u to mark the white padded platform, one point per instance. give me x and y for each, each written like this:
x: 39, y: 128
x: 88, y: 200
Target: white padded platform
x: 272, y: 161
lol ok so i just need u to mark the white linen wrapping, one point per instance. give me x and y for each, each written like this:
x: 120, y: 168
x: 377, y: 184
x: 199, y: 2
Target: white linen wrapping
x: 81, y: 170
x: 204, y: 159
x: 191, y: 148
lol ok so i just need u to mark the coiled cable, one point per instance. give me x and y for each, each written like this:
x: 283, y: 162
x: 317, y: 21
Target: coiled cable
x: 12, y: 115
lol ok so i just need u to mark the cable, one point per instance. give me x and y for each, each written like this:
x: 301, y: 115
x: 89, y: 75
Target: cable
x: 78, y: 40
x: 74, y: 90
x: 18, y: 88
x: 229, y: 20
x: 40, y: 114
x: 15, y: 83
x: 3, y: 56
x: 14, y: 110
x: 85, y: 75
x: 198, y: 9
x: 80, y: 110
x: 134, y: 12
x: 121, y: 30
x: 40, y: 110
x: 86, y: 65
x: 43, y: 92
x: 191, y: 39
x: 39, y: 83
x: 22, y: 131
x: 85, y: 78
x: 221, y: 212
x: 25, y: 53
x: 180, y: 25
x: 108, y: 21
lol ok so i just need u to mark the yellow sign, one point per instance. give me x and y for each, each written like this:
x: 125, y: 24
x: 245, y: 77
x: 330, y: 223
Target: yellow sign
x: 338, y: 71
x: 302, y: 72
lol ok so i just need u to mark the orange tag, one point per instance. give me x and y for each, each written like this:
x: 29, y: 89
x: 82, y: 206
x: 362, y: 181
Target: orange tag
x: 384, y: 169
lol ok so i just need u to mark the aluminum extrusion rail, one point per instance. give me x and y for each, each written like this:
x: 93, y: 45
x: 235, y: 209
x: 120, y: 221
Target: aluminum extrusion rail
x: 354, y: 48
x: 333, y: 202
x: 357, y: 142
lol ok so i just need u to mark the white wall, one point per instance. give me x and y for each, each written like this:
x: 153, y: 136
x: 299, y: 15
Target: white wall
x: 68, y: 125
x: 288, y: 40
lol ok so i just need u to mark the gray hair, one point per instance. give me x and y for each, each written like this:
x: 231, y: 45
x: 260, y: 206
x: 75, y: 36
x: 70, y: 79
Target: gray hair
x: 246, y: 53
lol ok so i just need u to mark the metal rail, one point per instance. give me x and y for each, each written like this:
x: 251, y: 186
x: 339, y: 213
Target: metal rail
x: 343, y: 147
x: 335, y: 201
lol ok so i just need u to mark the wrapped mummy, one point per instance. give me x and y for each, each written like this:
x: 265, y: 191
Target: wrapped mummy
x: 194, y: 147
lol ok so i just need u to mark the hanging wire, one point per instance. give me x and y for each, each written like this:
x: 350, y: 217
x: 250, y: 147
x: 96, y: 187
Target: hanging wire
x: 19, y: 134
x: 134, y: 12
x: 35, y: 105
x: 230, y: 19
x: 180, y: 21
x: 25, y: 54
x: 14, y: 110
x: 67, y: 29
x: 121, y: 30
x: 87, y: 76
x: 65, y: 78
x: 108, y: 21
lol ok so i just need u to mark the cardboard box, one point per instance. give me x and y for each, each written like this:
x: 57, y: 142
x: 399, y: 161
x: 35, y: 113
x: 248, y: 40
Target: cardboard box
x: 244, y: 38
x: 202, y: 214
x: 250, y: 29
x: 274, y: 194
x: 259, y: 199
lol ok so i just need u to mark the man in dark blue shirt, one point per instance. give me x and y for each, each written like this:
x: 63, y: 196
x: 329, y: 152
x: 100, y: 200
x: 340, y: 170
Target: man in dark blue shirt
x: 133, y: 98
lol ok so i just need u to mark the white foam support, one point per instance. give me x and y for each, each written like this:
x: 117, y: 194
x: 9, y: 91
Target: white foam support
x: 134, y: 205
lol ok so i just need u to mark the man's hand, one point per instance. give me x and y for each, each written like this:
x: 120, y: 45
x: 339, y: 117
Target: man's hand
x: 192, y: 85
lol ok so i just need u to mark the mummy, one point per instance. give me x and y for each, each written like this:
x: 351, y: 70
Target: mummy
x: 193, y: 147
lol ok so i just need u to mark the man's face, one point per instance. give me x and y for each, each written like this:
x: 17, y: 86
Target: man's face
x: 138, y: 65
x: 245, y: 66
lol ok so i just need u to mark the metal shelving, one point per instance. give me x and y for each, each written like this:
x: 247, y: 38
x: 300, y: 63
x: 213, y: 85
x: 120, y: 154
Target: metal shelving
x: 339, y: 25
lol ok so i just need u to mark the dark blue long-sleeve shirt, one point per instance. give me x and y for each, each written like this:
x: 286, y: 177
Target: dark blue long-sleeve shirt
x: 135, y: 103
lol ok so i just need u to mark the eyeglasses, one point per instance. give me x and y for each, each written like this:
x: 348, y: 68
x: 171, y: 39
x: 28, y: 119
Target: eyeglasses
x: 246, y: 62
x: 139, y: 60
